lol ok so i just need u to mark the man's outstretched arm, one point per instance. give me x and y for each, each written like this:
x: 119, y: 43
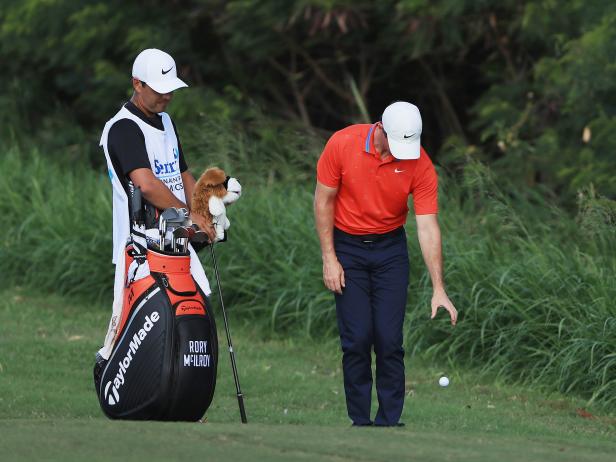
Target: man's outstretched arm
x: 429, y: 234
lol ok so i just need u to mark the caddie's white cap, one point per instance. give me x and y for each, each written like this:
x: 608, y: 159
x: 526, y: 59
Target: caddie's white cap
x: 402, y: 123
x: 157, y: 69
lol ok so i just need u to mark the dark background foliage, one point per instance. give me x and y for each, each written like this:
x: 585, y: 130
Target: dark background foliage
x: 528, y: 87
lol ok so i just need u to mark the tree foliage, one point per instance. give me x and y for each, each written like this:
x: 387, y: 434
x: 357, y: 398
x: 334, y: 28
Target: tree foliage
x: 528, y: 86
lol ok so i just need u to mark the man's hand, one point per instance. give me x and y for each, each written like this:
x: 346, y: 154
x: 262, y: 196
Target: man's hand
x: 204, y: 225
x: 440, y: 299
x: 333, y: 274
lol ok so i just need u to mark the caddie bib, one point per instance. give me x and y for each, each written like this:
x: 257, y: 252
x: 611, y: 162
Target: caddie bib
x: 164, y: 157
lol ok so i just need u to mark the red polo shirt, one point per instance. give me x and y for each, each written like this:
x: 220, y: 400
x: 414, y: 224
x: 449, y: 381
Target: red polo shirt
x: 373, y: 194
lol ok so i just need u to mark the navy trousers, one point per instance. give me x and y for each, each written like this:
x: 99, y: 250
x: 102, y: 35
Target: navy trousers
x: 370, y: 315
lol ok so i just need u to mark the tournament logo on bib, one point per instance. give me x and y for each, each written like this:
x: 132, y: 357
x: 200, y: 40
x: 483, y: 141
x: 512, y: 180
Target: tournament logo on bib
x: 169, y: 173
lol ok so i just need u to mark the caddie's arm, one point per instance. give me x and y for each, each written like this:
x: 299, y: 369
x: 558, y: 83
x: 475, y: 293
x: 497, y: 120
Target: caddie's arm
x: 324, y: 201
x: 429, y: 235
x: 189, y: 186
x: 154, y: 190
x: 157, y: 194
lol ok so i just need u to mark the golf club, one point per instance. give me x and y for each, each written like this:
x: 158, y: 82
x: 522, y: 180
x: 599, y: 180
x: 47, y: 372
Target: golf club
x: 162, y: 229
x: 240, y: 396
x: 179, y: 233
x: 136, y: 202
x: 170, y: 216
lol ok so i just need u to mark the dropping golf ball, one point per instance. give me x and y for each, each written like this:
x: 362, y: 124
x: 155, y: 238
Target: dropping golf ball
x: 443, y: 381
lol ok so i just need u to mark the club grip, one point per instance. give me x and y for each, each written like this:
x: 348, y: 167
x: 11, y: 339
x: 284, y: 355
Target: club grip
x: 240, y: 401
x: 136, y: 205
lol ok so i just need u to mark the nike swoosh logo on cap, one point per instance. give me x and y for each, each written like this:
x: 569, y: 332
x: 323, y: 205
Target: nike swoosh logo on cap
x: 409, y: 136
x: 165, y: 71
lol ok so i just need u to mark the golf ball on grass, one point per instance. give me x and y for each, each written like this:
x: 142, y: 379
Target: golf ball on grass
x: 443, y: 381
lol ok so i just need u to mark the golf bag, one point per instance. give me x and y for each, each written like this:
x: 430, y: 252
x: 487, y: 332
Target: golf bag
x: 164, y: 360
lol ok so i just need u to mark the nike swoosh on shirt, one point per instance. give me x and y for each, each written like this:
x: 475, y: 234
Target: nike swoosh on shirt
x: 398, y: 171
x: 165, y: 71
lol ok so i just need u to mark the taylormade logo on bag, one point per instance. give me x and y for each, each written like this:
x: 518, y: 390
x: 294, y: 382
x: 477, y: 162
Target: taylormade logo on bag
x: 112, y: 388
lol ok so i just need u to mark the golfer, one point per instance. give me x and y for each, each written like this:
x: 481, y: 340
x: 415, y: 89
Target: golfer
x: 142, y: 145
x: 364, y: 178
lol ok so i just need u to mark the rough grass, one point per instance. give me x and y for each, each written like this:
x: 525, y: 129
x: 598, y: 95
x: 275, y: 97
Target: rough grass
x: 534, y: 286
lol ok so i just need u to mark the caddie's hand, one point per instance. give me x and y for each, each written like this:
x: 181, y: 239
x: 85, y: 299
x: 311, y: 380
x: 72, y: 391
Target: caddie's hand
x: 440, y: 299
x: 204, y: 225
x: 333, y: 274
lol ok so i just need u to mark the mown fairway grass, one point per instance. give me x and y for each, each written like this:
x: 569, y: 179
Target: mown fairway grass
x: 294, y: 398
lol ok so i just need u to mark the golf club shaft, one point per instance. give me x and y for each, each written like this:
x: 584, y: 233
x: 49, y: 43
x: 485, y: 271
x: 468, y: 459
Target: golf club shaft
x: 240, y: 396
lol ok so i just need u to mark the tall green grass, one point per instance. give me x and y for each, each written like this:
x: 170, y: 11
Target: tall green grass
x: 56, y: 225
x: 535, y: 287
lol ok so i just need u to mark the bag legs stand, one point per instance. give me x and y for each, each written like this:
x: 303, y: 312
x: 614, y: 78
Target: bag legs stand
x: 240, y: 396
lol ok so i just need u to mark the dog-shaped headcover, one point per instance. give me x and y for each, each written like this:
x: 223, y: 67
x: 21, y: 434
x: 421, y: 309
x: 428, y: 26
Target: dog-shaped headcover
x: 212, y: 192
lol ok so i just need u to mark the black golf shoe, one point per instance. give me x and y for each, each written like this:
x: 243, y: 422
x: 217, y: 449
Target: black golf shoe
x: 367, y: 424
x: 399, y: 424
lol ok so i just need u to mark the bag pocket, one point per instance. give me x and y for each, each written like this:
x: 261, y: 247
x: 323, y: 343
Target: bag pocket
x: 195, y: 363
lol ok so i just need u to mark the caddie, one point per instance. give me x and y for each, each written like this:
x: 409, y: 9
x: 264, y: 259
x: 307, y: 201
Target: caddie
x: 141, y: 144
x: 364, y: 178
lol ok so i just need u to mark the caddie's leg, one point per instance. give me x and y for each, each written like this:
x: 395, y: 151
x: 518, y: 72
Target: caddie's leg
x: 355, y: 327
x: 390, y: 281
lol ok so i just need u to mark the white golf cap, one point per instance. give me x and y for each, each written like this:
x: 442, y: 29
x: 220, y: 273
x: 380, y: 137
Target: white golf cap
x: 402, y: 123
x: 157, y: 69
